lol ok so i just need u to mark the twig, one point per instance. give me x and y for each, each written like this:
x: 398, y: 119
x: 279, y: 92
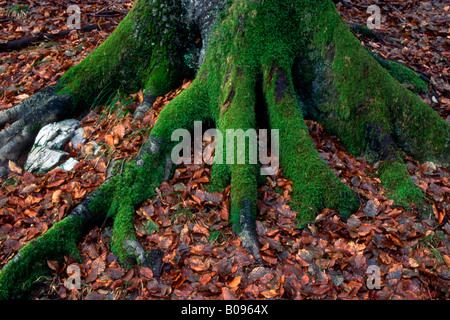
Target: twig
x: 40, y: 37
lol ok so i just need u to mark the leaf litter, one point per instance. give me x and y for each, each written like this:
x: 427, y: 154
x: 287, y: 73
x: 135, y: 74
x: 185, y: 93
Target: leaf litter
x: 203, y: 259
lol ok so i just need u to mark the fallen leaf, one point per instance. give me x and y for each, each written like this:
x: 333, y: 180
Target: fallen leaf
x: 235, y: 282
x: 14, y: 167
x: 146, y: 272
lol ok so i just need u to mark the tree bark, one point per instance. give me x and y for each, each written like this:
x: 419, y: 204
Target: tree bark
x: 288, y: 59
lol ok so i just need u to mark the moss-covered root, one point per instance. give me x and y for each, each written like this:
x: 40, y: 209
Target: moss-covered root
x: 315, y: 186
x: 396, y: 179
x: 351, y: 89
x: 19, y: 274
x: 243, y: 196
x: 406, y: 76
x: 152, y: 165
x: 145, y: 51
x: 135, y: 186
x: 238, y: 120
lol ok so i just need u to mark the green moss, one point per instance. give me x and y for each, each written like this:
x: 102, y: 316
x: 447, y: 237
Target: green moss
x: 191, y: 105
x: 136, y: 185
x: 140, y: 53
x: 362, y: 92
x: 250, y: 37
x: 220, y: 177
x: 315, y: 186
x: 404, y: 75
x: 401, y: 189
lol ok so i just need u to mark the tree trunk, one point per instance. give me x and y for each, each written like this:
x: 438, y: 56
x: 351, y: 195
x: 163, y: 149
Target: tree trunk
x: 286, y: 59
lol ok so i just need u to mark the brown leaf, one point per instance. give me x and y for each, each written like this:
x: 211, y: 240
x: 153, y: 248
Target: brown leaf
x: 115, y: 273
x: 385, y: 258
x: 396, y: 240
x: 200, y: 229
x: 14, y: 167
x: 29, y: 188
x: 223, y: 267
x: 196, y: 264
x: 119, y: 129
x: 165, y: 243
x: 225, y: 211
x: 56, y: 183
x: 56, y: 196
x: 111, y: 140
x: 447, y: 260
x: 95, y: 296
x: 92, y: 276
x: 269, y: 259
x: 146, y: 272
x: 228, y: 294
x: 52, y: 264
x: 140, y: 96
x: 270, y: 294
x: 32, y: 232
x: 235, y: 282
x: 204, y: 279
x: 30, y: 213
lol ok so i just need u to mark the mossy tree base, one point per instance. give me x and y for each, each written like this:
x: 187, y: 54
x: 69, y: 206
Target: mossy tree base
x: 284, y: 59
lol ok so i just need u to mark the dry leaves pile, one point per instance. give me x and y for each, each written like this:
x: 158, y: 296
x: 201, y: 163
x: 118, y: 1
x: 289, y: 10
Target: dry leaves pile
x: 35, y: 67
x: 202, y: 258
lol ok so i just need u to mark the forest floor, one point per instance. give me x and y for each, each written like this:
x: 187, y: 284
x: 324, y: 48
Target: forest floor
x: 329, y: 259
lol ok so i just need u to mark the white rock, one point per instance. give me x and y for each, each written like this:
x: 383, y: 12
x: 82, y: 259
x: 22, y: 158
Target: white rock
x: 55, y: 135
x: 45, y: 154
x: 69, y: 164
x: 77, y: 138
x: 42, y: 159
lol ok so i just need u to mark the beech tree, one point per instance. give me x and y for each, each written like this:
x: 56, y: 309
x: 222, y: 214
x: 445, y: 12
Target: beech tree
x: 259, y: 63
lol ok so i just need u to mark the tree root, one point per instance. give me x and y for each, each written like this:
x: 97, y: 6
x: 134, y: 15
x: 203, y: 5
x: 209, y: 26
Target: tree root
x: 401, y: 189
x: 146, y: 104
x: 22, y: 122
x: 319, y: 68
x: 19, y: 274
x: 315, y: 186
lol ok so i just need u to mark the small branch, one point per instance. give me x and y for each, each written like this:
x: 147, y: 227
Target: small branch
x: 108, y: 13
x: 40, y: 37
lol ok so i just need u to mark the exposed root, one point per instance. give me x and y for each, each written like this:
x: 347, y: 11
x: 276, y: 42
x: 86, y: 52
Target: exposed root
x: 247, y: 229
x: 341, y: 86
x: 315, y: 186
x: 19, y: 274
x: 22, y: 122
x: 401, y: 189
x: 146, y: 104
x: 152, y: 165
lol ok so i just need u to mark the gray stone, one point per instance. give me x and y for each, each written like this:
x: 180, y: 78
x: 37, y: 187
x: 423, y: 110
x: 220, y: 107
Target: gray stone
x: 78, y: 138
x: 430, y: 166
x: 55, y: 135
x: 69, y: 164
x: 42, y: 159
x: 45, y: 154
